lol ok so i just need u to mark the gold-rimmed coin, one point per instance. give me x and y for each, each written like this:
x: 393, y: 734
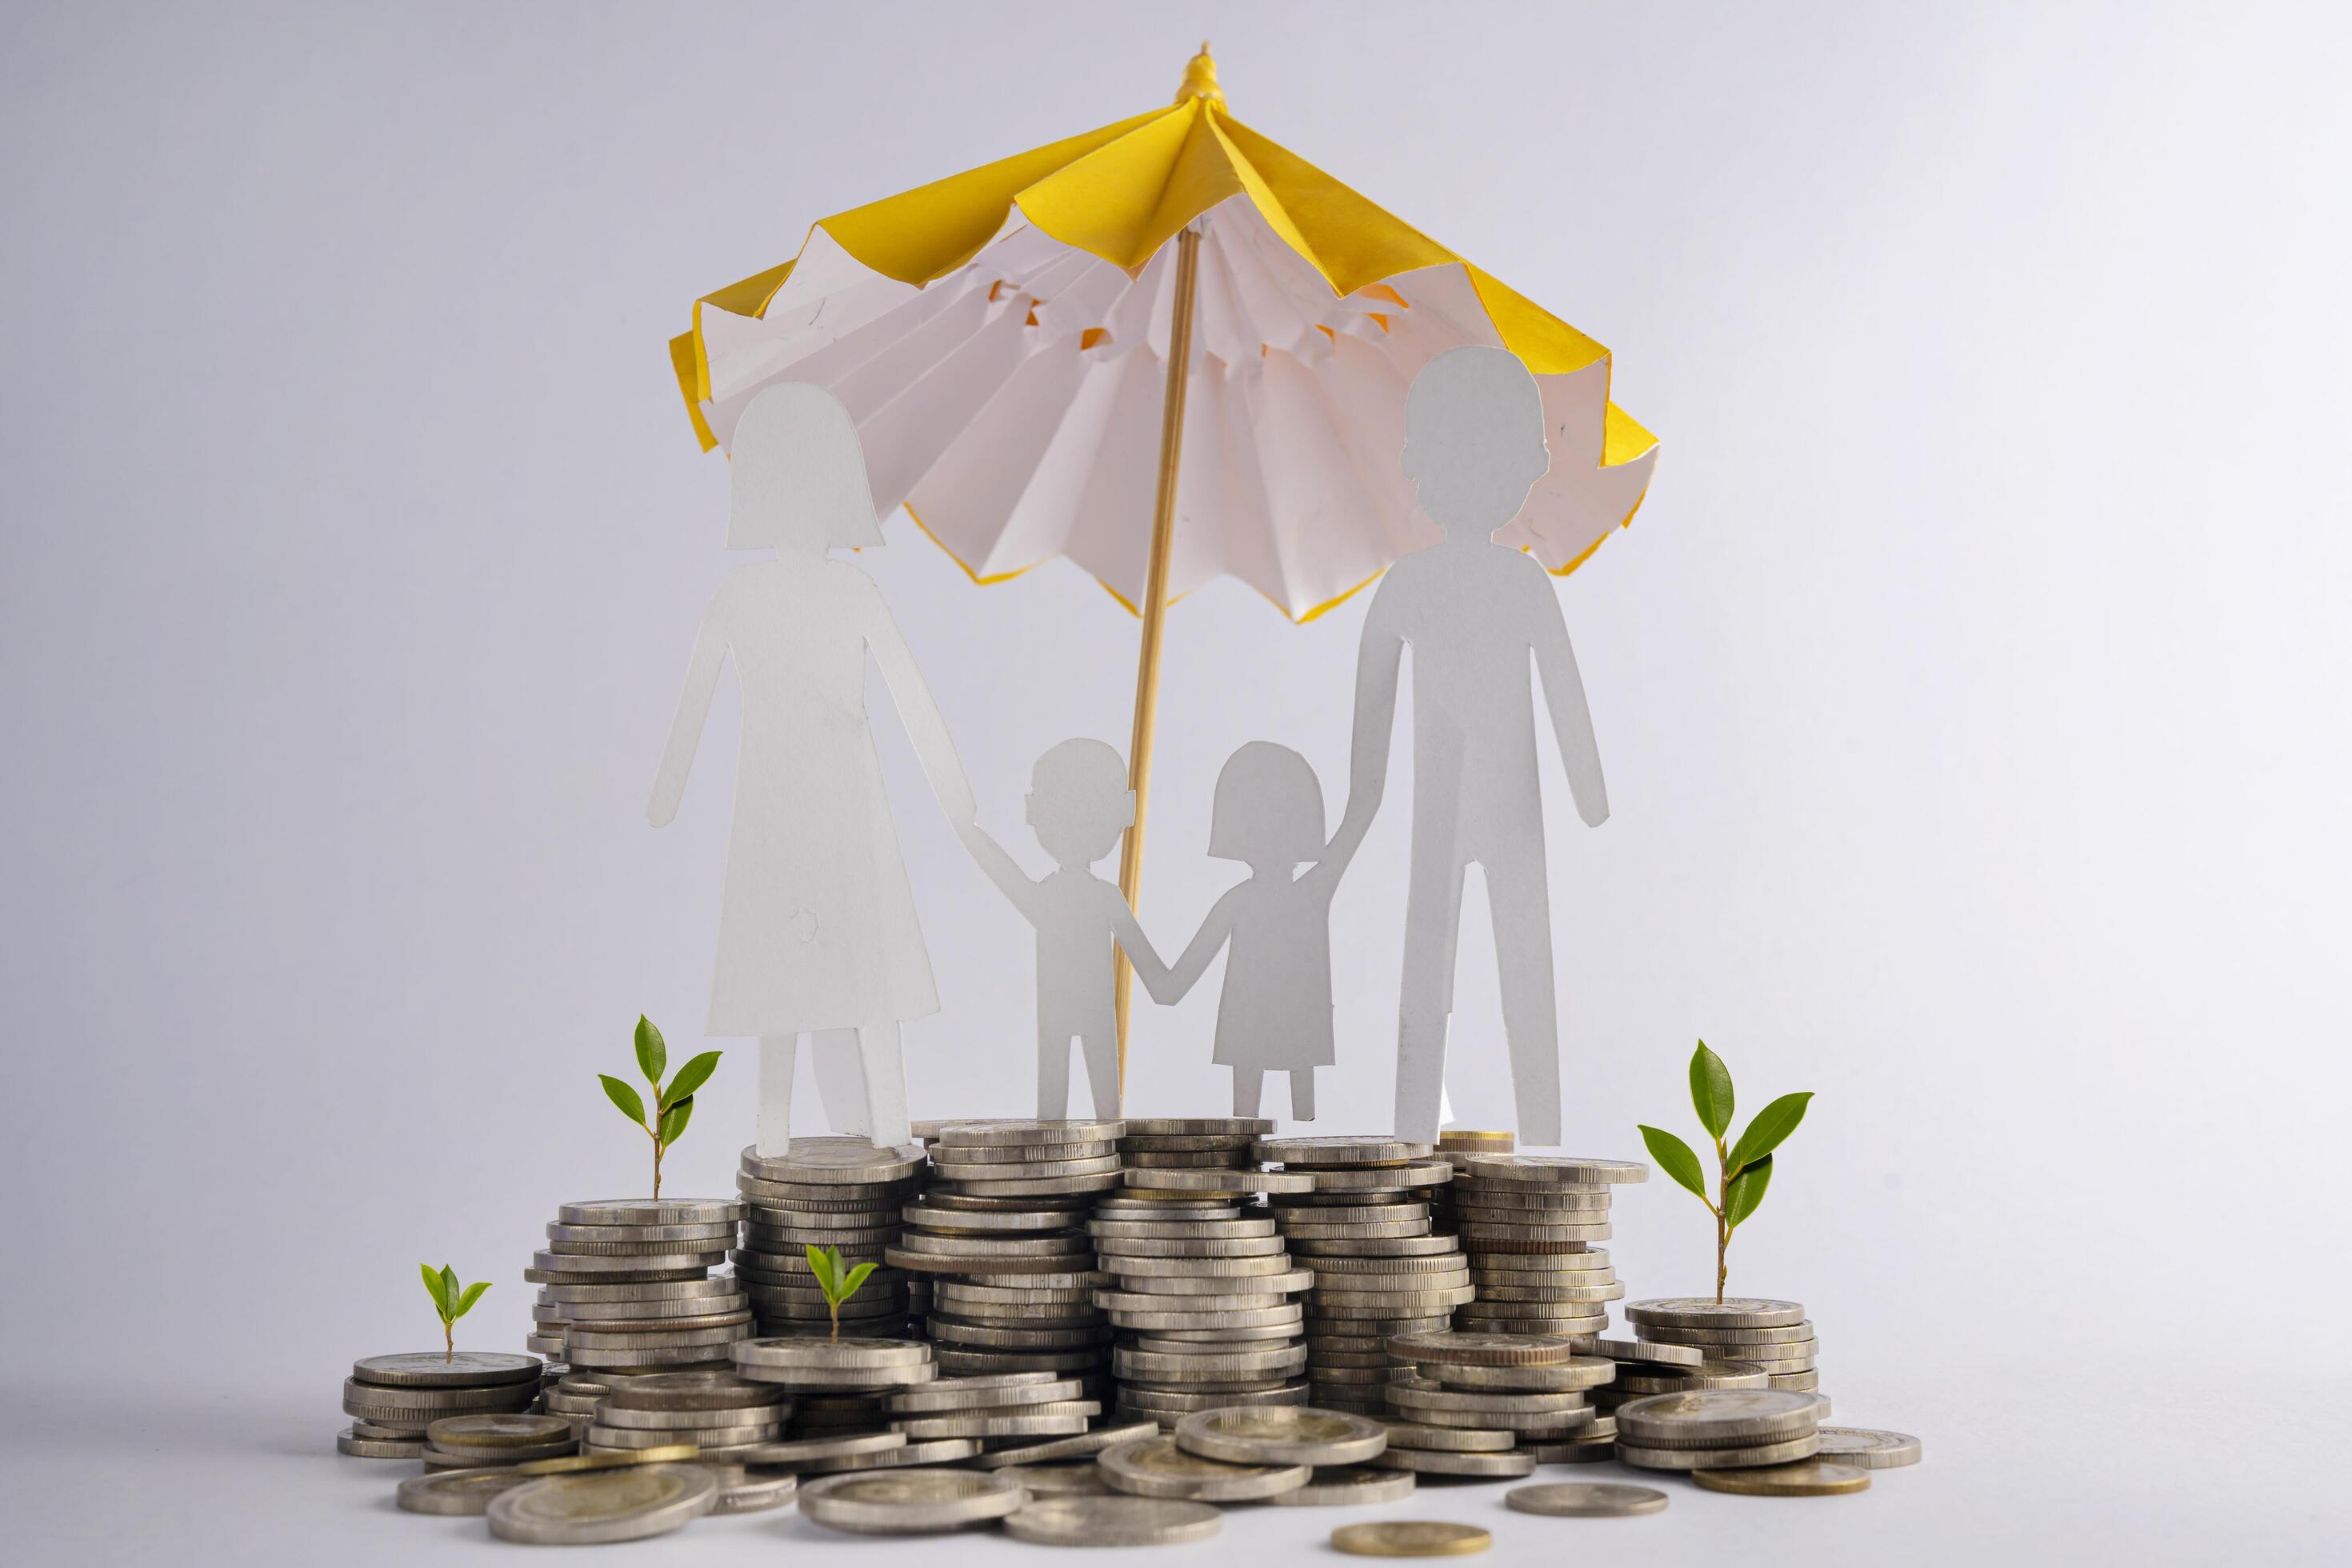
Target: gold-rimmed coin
x: 1411, y: 1538
x: 1806, y: 1478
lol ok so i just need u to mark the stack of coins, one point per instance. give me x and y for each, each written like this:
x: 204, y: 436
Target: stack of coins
x: 1531, y: 1224
x: 719, y: 1413
x: 625, y: 1284
x: 841, y: 1192
x: 1191, y: 1142
x: 840, y: 1390
x: 1000, y: 1232
x: 1533, y: 1387
x: 1455, y: 1146
x: 1359, y: 1219
x: 392, y: 1400
x: 1718, y: 1429
x: 1004, y: 1411
x: 1774, y: 1338
x: 1207, y: 1292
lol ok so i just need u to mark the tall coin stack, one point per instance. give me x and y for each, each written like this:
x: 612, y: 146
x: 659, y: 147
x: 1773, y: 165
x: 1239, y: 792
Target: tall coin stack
x: 838, y: 1193
x: 1532, y: 1225
x: 392, y: 1400
x: 1752, y: 1336
x: 1356, y: 1212
x: 1206, y: 1293
x: 626, y: 1285
x: 1001, y: 1231
x: 1455, y: 1146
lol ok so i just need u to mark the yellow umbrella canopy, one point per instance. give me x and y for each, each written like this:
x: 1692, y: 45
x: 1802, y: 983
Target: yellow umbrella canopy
x: 1035, y: 370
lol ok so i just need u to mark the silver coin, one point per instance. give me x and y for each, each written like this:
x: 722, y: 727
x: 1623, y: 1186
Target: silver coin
x: 677, y: 1289
x: 1574, y: 1374
x: 831, y: 1355
x: 458, y: 1491
x: 438, y: 1369
x: 372, y: 1402
x: 1738, y: 1457
x: 1156, y: 1466
x: 562, y: 1313
x: 1281, y: 1434
x: 1446, y: 1462
x: 1577, y: 1448
x: 567, y: 1264
x: 1069, y: 1447
x: 1564, y: 1170
x: 499, y: 1431
x: 602, y: 1506
x: 1797, y: 1381
x: 1656, y: 1352
x: 1021, y: 1153
x: 930, y: 1216
x: 652, y: 1211
x: 909, y: 1501
x: 1340, y: 1150
x: 994, y: 1132
x: 833, y: 1161
x: 360, y: 1448
x: 743, y: 1489
x: 1250, y: 1127
x: 399, y: 1432
x: 1212, y: 1181
x: 1703, y: 1312
x: 1585, y: 1499
x: 1448, y: 1439
x: 1175, y: 1320
x: 804, y: 1451
x: 946, y: 1170
x: 1716, y: 1417
x: 1348, y: 1486
x: 992, y: 1425
x: 1112, y: 1520
x: 1868, y: 1448
x: 608, y: 1414
x: 992, y: 1391
x: 1706, y: 1374
x: 1081, y: 1478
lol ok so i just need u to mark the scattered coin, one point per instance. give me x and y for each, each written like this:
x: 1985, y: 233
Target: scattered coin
x: 1156, y: 1466
x: 1807, y: 1478
x: 1585, y: 1499
x: 1111, y: 1519
x: 1411, y: 1538
x: 1281, y: 1434
x: 912, y: 1501
x: 1868, y: 1448
x: 591, y: 1509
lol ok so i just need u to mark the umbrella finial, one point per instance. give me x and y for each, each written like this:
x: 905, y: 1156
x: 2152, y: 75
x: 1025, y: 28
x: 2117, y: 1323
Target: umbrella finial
x: 1200, y: 80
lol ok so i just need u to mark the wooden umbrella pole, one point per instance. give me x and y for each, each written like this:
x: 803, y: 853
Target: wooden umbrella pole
x: 1155, y: 600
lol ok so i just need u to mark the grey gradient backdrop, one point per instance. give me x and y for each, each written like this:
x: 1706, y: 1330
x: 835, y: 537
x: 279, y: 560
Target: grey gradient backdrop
x: 1971, y: 690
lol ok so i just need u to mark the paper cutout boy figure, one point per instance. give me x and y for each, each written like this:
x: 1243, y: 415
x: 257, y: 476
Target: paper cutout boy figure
x: 817, y: 930
x: 1079, y: 805
x: 1479, y: 616
x: 1275, y: 1010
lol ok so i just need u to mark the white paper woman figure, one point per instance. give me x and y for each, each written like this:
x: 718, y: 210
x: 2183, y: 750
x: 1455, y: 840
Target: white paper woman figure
x: 817, y: 932
x: 1276, y: 1011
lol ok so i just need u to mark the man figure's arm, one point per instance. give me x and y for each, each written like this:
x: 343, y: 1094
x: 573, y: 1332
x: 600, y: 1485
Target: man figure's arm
x: 1378, y: 657
x: 1572, y: 721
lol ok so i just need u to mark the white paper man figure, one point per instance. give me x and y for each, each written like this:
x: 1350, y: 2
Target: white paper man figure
x: 1276, y: 1011
x: 1479, y: 617
x: 818, y: 931
x: 1079, y: 805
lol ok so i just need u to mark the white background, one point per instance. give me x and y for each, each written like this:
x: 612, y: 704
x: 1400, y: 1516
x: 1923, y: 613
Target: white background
x: 1971, y: 690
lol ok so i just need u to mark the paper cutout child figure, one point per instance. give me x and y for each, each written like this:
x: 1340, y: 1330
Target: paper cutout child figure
x: 1479, y: 616
x: 1079, y: 805
x: 816, y: 930
x: 1276, y: 1011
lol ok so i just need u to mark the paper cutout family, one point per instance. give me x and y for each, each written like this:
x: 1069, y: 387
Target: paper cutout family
x: 817, y: 933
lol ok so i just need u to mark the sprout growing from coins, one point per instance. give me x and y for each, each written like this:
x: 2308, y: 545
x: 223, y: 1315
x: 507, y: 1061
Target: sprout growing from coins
x: 673, y: 1105
x: 838, y: 1286
x: 451, y: 1300
x: 1745, y: 1170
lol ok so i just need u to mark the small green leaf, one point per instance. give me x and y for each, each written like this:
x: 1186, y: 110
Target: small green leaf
x: 622, y: 1095
x: 856, y: 1278
x: 1772, y: 1123
x: 653, y: 1055
x: 433, y: 1288
x: 823, y: 1269
x: 1675, y: 1157
x: 1711, y: 1083
x: 473, y: 1294
x: 674, y: 1119
x: 449, y: 1289
x: 690, y: 1076
x: 1747, y: 1191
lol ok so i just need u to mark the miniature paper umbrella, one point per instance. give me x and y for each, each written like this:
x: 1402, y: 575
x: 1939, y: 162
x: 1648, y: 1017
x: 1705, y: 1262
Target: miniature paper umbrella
x: 1035, y: 370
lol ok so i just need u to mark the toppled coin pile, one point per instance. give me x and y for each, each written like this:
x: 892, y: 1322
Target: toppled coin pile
x: 626, y: 1285
x: 841, y: 1192
x: 393, y: 1400
x: 1000, y: 1232
x: 1355, y: 1212
x: 1531, y: 1224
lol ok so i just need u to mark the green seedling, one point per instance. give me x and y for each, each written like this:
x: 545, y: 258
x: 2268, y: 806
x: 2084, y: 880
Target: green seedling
x: 673, y: 1105
x: 1744, y: 1169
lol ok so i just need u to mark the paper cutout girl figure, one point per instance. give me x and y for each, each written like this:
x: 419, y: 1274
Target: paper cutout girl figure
x: 1276, y: 1011
x: 1483, y: 620
x: 1079, y: 805
x: 817, y: 930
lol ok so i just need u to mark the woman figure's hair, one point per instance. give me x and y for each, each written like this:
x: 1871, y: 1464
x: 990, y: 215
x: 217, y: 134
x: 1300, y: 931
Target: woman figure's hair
x: 798, y: 475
